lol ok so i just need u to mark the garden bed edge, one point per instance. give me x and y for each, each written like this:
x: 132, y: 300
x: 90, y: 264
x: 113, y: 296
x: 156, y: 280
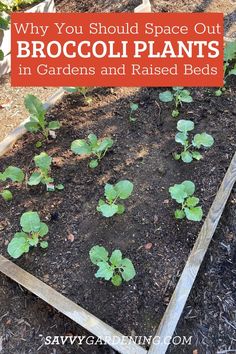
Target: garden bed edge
x: 20, y: 130
x: 175, y: 308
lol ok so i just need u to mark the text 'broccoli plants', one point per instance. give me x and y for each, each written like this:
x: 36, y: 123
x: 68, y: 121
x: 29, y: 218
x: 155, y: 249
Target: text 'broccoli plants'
x: 179, y: 96
x: 13, y: 174
x: 93, y: 147
x: 113, y: 193
x: 114, y: 268
x: 199, y: 141
x: 42, y: 174
x: 33, y: 230
x: 183, y: 194
x: 229, y: 58
x: 38, y: 122
x: 82, y: 90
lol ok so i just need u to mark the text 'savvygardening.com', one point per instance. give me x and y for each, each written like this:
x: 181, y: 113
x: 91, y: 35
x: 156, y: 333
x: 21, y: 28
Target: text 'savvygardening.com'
x: 161, y: 49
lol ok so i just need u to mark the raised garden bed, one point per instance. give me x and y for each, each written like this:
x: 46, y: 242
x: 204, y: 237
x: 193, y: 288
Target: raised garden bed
x: 209, y: 315
x: 5, y: 35
x: 147, y: 233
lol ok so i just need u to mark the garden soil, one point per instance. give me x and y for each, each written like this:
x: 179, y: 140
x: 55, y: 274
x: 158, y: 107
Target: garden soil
x: 147, y: 233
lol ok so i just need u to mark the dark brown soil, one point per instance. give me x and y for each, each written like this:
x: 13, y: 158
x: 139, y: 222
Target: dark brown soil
x: 209, y: 316
x: 228, y: 7
x: 25, y: 321
x: 142, y: 153
x: 98, y: 6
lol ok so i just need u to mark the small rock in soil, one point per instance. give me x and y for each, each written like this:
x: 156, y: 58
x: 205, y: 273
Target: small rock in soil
x: 148, y: 246
x: 71, y: 237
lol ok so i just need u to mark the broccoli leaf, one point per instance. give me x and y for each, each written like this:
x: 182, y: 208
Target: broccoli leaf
x: 98, y: 254
x: 80, y: 147
x: 124, y: 189
x: 203, y: 139
x: 18, y: 245
x: 166, y: 96
x: 128, y: 272
x: 14, y: 173
x: 105, y: 271
x: 194, y: 214
x: 30, y: 222
x: 185, y: 126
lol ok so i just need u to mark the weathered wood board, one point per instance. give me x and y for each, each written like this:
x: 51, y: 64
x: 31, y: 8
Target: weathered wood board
x: 177, y: 302
x: 68, y: 307
x: 189, y: 274
x: 144, y: 7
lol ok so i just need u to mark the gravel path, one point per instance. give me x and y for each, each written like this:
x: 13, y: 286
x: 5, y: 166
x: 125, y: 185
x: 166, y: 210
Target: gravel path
x: 12, y: 110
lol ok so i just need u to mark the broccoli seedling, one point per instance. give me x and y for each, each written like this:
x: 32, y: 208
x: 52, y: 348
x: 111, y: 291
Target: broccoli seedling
x: 199, y: 140
x: 14, y: 174
x: 229, y: 56
x: 82, y: 90
x: 179, y: 96
x: 38, y: 122
x: 31, y: 234
x: 183, y: 194
x: 114, y: 268
x: 133, y: 109
x: 93, y: 147
x: 121, y: 190
x: 42, y: 174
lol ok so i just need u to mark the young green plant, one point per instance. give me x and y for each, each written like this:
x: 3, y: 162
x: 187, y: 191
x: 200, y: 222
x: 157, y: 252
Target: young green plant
x: 229, y: 58
x: 38, y: 122
x: 183, y: 194
x: 113, y: 193
x: 81, y: 90
x: 93, y: 147
x: 43, y: 173
x: 114, y: 268
x: 12, y: 5
x: 199, y: 141
x: 133, y: 108
x: 5, y: 9
x: 13, y: 174
x: 179, y: 95
x: 33, y: 230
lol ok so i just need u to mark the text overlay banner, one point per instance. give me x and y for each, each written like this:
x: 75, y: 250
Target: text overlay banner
x: 117, y: 49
